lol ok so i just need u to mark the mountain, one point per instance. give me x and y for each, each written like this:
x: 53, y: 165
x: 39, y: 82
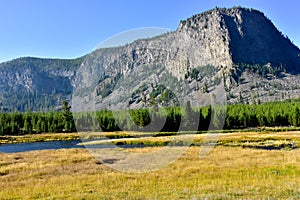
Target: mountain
x: 237, y: 52
x: 36, y: 83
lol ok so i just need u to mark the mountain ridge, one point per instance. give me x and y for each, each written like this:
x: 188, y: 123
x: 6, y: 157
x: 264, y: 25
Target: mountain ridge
x: 232, y: 41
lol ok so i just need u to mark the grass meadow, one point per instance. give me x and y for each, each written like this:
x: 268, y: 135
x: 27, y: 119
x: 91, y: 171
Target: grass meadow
x: 234, y: 169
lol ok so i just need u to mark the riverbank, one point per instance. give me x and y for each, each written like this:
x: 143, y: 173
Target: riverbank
x: 43, y: 137
x: 261, y: 140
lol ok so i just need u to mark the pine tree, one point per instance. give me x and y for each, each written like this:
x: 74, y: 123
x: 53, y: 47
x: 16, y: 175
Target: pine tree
x: 296, y: 117
x: 67, y: 117
x: 27, y: 123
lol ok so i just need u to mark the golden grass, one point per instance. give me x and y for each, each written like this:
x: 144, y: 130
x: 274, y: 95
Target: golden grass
x: 38, y: 137
x: 225, y: 173
x: 243, y: 139
x: 151, y: 141
x: 237, y: 136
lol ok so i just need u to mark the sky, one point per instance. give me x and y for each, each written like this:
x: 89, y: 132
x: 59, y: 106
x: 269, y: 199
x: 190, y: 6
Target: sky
x: 73, y: 28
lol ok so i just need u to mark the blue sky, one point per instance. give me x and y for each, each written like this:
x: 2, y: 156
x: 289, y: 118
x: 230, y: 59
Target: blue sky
x: 72, y: 28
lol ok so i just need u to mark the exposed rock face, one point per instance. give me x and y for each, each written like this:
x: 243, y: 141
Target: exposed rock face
x: 240, y: 35
x: 254, y: 39
x: 211, y: 38
x: 220, y: 47
x: 34, y: 84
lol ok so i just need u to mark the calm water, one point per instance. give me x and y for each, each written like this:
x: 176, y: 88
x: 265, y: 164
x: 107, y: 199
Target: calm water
x: 30, y: 146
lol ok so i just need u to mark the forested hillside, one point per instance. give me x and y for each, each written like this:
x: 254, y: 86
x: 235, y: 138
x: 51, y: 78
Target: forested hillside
x: 36, y: 84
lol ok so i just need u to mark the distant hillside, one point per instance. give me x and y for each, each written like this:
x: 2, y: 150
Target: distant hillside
x: 237, y: 49
x: 36, y: 84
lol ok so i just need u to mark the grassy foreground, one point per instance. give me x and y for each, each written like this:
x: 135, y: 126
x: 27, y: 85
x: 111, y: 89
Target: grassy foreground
x: 226, y: 172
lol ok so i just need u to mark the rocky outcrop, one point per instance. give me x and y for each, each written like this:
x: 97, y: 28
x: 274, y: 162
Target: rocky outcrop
x: 220, y: 47
x: 241, y: 35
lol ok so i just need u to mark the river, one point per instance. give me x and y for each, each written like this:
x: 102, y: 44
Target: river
x: 30, y: 146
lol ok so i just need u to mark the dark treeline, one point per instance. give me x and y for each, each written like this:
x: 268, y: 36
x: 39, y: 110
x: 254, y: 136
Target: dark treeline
x: 170, y: 119
x: 37, y: 122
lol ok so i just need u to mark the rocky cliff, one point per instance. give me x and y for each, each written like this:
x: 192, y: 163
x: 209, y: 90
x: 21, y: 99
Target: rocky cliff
x: 237, y: 49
